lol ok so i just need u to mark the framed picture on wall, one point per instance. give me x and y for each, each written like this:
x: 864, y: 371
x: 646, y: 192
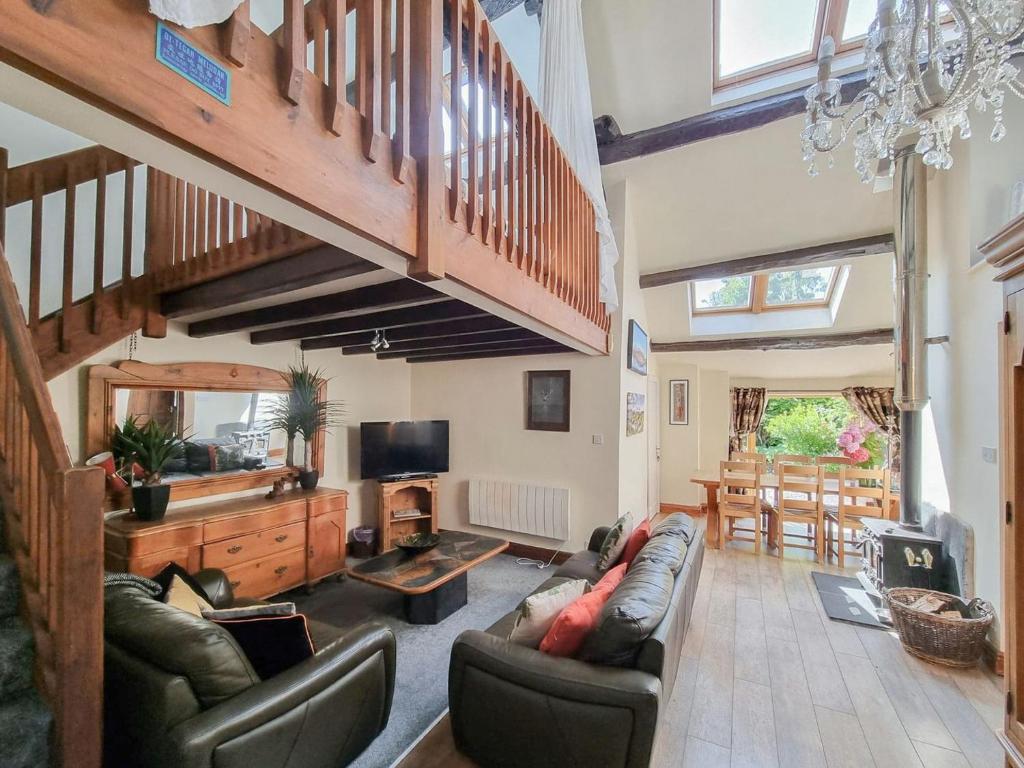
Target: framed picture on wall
x: 635, y: 411
x: 679, y: 401
x: 638, y: 349
x: 547, y: 400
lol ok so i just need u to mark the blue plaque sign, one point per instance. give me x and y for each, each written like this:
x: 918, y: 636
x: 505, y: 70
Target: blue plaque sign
x: 178, y: 54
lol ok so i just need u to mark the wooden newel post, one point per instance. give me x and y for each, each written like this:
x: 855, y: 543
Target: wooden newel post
x: 427, y: 138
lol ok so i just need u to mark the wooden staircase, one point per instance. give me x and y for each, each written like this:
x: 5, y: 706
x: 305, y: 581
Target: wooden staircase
x: 190, y: 236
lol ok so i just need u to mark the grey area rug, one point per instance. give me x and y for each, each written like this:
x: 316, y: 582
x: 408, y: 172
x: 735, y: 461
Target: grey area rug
x: 844, y: 599
x: 421, y: 681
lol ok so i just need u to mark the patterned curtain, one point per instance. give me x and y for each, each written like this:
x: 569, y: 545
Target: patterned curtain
x: 748, y: 405
x: 876, y: 404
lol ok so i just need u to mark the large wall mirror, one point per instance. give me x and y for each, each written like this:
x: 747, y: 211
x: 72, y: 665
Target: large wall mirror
x: 221, y: 410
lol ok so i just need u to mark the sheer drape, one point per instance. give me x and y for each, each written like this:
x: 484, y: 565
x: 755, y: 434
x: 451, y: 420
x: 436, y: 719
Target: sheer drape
x: 565, y: 101
x: 748, y: 404
x: 876, y: 404
x: 193, y: 13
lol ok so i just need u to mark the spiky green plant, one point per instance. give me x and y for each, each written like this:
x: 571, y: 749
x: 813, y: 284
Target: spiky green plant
x: 302, y: 412
x: 121, y: 448
x: 151, y: 447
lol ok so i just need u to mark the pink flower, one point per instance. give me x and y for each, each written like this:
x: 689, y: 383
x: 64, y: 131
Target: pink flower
x: 861, y: 455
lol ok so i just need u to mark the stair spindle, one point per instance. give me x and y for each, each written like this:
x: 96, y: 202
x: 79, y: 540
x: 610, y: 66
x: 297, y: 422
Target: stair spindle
x: 99, y: 243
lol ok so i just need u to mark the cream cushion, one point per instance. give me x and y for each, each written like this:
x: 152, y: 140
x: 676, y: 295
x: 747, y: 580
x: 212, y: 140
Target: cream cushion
x: 181, y: 596
x: 539, y: 611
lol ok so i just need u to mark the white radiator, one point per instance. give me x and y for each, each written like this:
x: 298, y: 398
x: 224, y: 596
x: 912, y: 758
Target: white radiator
x: 520, y: 507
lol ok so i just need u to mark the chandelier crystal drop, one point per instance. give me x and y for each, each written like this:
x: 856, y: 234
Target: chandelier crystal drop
x: 928, y: 63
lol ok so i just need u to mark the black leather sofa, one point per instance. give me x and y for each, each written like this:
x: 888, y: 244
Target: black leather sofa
x: 180, y: 695
x: 516, y: 707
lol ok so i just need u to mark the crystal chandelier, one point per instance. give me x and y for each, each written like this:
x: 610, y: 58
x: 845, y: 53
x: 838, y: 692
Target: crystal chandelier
x: 928, y: 62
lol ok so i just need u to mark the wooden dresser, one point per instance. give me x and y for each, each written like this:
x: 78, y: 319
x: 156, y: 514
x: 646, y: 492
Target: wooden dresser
x: 266, y: 546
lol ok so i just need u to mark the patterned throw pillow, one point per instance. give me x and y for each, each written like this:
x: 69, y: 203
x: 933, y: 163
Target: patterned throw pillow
x: 615, y: 542
x: 539, y: 611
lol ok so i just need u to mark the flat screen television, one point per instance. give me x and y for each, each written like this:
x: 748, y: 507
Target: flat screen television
x: 399, y: 448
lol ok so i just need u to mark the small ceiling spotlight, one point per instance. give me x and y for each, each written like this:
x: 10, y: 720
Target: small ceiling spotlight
x: 380, y: 341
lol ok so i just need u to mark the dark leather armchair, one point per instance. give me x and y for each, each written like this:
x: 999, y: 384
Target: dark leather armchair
x: 178, y: 694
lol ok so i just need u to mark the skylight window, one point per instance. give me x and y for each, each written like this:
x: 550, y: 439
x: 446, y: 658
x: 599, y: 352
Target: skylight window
x: 788, y: 289
x: 730, y: 293
x: 801, y: 286
x: 758, y: 38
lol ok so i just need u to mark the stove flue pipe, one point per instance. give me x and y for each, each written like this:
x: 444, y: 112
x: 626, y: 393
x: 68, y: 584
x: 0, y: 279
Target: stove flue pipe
x: 911, y: 293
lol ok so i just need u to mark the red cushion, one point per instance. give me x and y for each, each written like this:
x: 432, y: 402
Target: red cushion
x: 640, y: 536
x: 578, y: 619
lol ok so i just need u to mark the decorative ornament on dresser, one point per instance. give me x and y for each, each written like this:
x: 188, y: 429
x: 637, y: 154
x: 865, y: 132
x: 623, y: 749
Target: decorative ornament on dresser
x: 928, y: 63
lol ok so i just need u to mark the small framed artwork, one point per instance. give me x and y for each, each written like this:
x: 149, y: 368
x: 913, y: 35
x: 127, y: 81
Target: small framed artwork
x: 635, y: 412
x: 547, y: 400
x: 679, y: 401
x: 638, y: 349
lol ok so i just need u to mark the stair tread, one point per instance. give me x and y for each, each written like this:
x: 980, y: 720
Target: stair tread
x: 25, y: 725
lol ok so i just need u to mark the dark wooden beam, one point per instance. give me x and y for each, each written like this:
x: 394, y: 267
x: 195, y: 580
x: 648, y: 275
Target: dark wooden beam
x: 814, y: 254
x: 389, y: 318
x: 482, y: 355
x: 764, y: 343
x: 443, y: 329
x: 506, y: 338
x: 396, y: 293
x: 719, y: 122
x: 522, y: 346
x: 318, y: 265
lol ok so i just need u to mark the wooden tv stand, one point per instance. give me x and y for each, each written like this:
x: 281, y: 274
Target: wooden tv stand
x: 398, y: 495
x: 265, y: 546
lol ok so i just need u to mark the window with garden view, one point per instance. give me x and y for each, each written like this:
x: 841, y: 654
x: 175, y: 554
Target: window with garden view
x: 820, y: 425
x: 771, y: 290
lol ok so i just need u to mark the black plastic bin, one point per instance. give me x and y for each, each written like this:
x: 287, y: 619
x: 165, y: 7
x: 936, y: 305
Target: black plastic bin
x: 364, y: 542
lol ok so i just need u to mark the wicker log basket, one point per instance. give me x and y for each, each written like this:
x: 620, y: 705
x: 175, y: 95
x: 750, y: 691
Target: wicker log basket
x: 950, y: 641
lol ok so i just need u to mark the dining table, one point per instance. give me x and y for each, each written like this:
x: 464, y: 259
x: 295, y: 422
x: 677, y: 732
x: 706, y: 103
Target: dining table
x: 769, y: 482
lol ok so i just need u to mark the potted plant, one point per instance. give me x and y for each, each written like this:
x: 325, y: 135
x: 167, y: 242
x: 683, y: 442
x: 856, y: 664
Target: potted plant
x: 304, y: 413
x: 151, y: 447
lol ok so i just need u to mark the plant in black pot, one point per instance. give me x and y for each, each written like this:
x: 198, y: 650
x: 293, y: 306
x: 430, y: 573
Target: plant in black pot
x: 151, y: 447
x: 305, y: 413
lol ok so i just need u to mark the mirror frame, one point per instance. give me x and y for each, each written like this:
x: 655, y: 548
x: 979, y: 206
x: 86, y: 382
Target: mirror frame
x: 105, y: 380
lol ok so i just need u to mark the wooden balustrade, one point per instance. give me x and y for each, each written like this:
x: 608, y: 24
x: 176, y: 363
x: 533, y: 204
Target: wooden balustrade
x: 54, y: 529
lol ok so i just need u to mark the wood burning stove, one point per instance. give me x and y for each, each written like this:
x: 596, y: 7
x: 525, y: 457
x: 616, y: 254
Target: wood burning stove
x: 895, y: 556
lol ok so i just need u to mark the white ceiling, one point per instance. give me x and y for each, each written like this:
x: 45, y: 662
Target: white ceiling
x: 796, y: 366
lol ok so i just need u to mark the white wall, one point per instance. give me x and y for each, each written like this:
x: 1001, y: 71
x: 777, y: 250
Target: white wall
x: 372, y: 390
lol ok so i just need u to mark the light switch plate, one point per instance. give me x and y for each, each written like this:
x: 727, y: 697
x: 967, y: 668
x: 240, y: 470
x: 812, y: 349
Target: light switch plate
x: 989, y: 455
x: 597, y: 439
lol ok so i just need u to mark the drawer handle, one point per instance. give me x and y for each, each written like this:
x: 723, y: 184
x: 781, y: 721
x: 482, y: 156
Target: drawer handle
x: 234, y: 584
x: 280, y: 569
x: 235, y: 549
x: 281, y: 538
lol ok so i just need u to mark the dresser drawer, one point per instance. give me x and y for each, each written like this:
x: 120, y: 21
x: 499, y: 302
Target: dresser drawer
x: 324, y: 504
x: 242, y: 549
x: 270, y: 575
x: 230, y: 527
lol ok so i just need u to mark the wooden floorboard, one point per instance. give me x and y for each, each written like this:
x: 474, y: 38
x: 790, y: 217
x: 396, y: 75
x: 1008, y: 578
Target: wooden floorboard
x: 767, y: 679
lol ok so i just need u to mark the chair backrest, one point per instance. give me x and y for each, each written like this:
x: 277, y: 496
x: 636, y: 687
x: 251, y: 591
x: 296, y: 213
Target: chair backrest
x: 806, y: 480
x: 792, y: 458
x: 864, y: 492
x: 758, y: 458
x: 833, y: 461
x: 741, y: 484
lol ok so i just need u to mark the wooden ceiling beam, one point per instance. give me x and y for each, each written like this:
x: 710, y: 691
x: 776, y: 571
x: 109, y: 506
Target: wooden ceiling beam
x: 523, y: 346
x: 764, y: 343
x: 317, y: 265
x: 483, y: 355
x: 395, y: 293
x: 449, y: 342
x: 442, y: 329
x: 389, y: 318
x: 798, y: 257
x: 718, y: 122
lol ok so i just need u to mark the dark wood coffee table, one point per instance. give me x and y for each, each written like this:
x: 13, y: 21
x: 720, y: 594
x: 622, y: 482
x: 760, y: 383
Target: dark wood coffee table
x: 433, y: 582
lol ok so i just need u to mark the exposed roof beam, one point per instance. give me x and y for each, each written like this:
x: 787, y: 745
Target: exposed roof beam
x: 719, y: 122
x: 449, y: 342
x: 381, y: 296
x: 318, y: 265
x: 442, y: 329
x: 764, y: 343
x: 389, y: 318
x: 522, y: 346
x: 481, y: 355
x: 814, y: 254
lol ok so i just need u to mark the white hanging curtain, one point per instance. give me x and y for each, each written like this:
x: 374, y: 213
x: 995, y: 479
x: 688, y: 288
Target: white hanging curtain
x: 193, y: 13
x: 565, y: 101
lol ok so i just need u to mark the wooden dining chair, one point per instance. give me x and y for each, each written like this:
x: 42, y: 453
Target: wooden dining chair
x: 758, y: 458
x: 762, y: 461
x: 791, y: 458
x: 740, y: 499
x: 862, y: 493
x: 801, y: 500
x: 832, y: 465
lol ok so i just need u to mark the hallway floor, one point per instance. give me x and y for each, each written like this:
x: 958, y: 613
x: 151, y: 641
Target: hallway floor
x: 768, y: 680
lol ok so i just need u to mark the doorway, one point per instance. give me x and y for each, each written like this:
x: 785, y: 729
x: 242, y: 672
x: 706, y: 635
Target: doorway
x: 653, y: 447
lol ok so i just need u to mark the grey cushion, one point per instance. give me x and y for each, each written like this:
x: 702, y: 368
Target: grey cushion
x: 635, y: 608
x: 676, y: 524
x: 177, y: 642
x: 582, y: 565
x: 667, y: 550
